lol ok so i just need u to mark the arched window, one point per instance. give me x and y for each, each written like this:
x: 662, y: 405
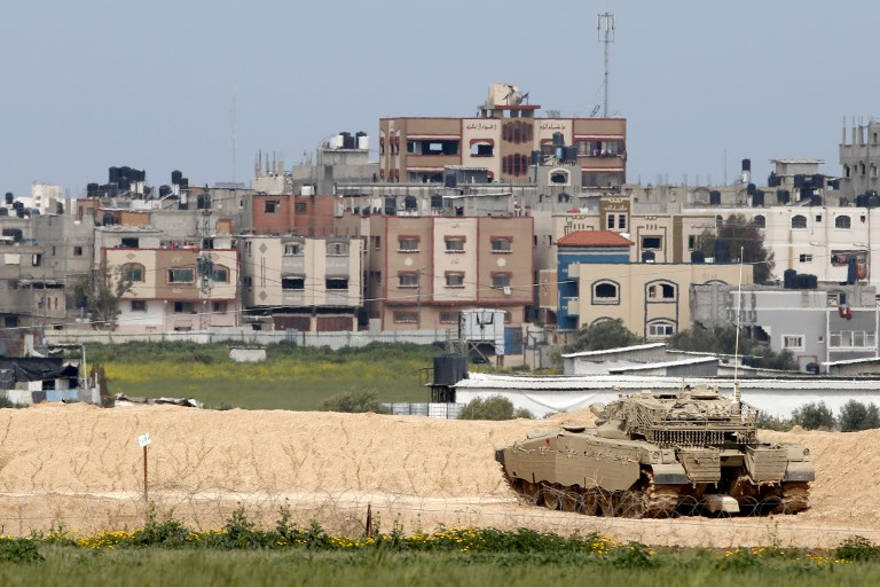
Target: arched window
x: 843, y: 221
x: 760, y: 221
x: 133, y: 272
x: 799, y: 221
x: 220, y: 274
x: 660, y: 291
x: 559, y: 177
x: 606, y: 292
x: 661, y: 329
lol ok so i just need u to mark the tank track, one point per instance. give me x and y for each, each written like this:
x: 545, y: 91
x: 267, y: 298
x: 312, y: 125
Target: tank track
x: 649, y: 500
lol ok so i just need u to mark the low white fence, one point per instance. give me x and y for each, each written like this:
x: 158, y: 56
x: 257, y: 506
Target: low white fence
x: 334, y: 340
x: 432, y: 410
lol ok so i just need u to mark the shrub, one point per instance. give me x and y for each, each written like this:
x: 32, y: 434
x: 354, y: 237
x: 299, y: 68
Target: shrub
x: 768, y: 422
x: 169, y: 533
x: 491, y: 408
x: 353, y: 402
x: 19, y: 550
x: 857, y: 416
x: 607, y: 334
x: 813, y: 416
x: 857, y: 548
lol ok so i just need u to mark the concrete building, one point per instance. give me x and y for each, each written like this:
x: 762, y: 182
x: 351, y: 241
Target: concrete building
x: 860, y: 159
x: 829, y: 324
x: 29, y: 293
x: 173, y: 286
x: 423, y: 270
x: 299, y: 215
x: 46, y: 198
x: 501, y: 138
x: 303, y: 283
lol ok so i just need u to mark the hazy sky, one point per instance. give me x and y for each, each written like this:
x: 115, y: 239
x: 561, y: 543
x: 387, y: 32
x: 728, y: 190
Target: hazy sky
x: 87, y: 84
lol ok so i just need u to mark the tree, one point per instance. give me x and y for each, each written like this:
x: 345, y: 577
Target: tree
x: 722, y: 340
x: 813, y: 416
x: 607, y: 334
x: 353, y: 402
x: 100, y: 295
x: 495, y: 407
x: 734, y: 233
x: 857, y: 416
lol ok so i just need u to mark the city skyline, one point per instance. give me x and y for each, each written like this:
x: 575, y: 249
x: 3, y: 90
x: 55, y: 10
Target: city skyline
x: 88, y: 87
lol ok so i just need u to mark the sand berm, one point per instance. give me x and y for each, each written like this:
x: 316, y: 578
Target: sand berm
x: 80, y: 467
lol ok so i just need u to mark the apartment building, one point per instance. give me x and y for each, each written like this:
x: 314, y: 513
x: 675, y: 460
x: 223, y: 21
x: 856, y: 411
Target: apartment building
x: 304, y: 283
x: 29, y: 293
x: 174, y: 285
x: 423, y: 270
x: 501, y: 139
x: 830, y: 323
x: 288, y: 214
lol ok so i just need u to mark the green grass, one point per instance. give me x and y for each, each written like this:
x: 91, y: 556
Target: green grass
x: 291, y: 377
x: 156, y: 566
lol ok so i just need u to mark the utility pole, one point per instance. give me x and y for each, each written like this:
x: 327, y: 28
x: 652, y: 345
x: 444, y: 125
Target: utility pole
x: 419, y: 300
x: 605, y: 31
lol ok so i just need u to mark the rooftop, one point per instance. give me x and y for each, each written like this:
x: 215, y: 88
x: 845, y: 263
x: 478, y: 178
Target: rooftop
x: 593, y: 238
x: 620, y: 349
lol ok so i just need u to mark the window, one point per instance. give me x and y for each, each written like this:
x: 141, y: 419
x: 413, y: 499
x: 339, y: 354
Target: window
x: 184, y: 308
x: 448, y: 317
x: 799, y: 221
x: 454, y: 279
x: 133, y: 272
x: 220, y: 274
x: 621, y: 221
x: 219, y: 307
x: 300, y: 207
x: 454, y: 244
x: 759, y: 221
x: 500, y: 280
x: 842, y: 221
x: 293, y: 249
x: 610, y: 221
x: 270, y: 206
x: 606, y: 292
x: 692, y: 242
x: 408, y: 244
x: 293, y: 283
x: 181, y: 275
x: 501, y: 244
x: 482, y: 148
x: 337, y: 283
x: 377, y: 242
x: 129, y: 243
x: 138, y: 305
x: 806, y: 258
x: 793, y: 342
x: 651, y: 242
x: 661, y: 291
x: 37, y: 259
x: 337, y: 249
x: 852, y: 339
x: 408, y: 279
x: 661, y: 329
x: 559, y: 177
x: 406, y: 318
x: 818, y: 218
x: 77, y: 251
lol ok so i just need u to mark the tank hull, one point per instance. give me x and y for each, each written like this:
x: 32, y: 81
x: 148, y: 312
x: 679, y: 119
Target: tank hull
x: 585, y: 472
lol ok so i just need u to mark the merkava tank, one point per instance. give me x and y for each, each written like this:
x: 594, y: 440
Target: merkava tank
x: 660, y: 454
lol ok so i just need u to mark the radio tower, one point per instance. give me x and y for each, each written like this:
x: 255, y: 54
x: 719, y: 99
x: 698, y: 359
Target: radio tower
x: 605, y: 31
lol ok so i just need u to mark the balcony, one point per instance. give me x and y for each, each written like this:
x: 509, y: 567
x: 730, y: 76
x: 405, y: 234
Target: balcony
x: 337, y: 265
x: 572, y: 306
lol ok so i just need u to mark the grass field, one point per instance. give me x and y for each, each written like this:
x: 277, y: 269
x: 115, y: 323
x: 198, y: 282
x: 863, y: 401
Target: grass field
x: 291, y: 377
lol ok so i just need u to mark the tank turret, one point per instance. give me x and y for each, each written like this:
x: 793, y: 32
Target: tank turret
x: 662, y: 453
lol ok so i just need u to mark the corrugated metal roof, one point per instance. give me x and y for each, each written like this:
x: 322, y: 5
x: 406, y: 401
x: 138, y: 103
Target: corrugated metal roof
x: 620, y: 349
x: 679, y: 363
x: 593, y: 238
x: 852, y: 361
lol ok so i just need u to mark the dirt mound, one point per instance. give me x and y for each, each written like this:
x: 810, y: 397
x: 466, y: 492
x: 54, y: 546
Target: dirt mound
x: 82, y: 464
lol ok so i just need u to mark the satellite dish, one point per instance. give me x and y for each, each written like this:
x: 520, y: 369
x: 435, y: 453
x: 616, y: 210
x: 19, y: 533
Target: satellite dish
x: 595, y: 111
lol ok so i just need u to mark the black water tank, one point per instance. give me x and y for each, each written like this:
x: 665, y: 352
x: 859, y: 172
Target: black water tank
x: 176, y: 176
x: 698, y: 257
x: 113, y: 175
x: 783, y: 196
x: 773, y: 181
x: 9, y: 197
x: 861, y: 201
x: 816, y: 200
x: 715, y: 198
x: 17, y: 205
x: 799, y: 180
x: 818, y: 180
x: 535, y: 158
x: 834, y: 184
x: 449, y: 369
x: 91, y: 188
x: 746, y: 164
x: 812, y: 281
x: 4, y: 211
x: 648, y: 256
x: 789, y: 279
x: 164, y: 190
x: 758, y: 199
x: 124, y: 184
x: 184, y: 183
x: 20, y: 212
x: 558, y: 139
x: 750, y: 189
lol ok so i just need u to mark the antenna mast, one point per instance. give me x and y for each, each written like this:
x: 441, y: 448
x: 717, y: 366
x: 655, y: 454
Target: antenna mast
x: 605, y: 31
x: 739, y: 291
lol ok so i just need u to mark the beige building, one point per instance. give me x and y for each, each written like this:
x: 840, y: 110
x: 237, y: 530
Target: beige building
x: 423, y: 270
x: 174, y: 286
x: 501, y: 138
x: 652, y: 299
x: 303, y: 283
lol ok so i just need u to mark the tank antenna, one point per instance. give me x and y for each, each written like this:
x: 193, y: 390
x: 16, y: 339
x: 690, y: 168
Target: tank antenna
x: 736, y: 394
